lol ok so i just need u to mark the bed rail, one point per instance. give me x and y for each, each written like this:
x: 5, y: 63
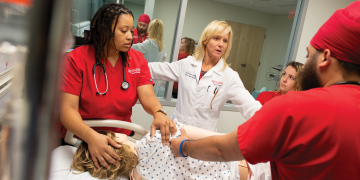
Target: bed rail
x: 139, y: 131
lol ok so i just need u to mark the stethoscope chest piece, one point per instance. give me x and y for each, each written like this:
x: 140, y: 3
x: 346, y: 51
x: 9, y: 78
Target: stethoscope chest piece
x: 124, y: 85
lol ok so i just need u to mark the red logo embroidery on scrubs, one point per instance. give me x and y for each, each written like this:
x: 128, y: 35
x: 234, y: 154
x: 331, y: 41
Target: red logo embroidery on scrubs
x: 133, y: 71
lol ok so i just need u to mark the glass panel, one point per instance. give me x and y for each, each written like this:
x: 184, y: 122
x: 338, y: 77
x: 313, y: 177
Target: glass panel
x: 14, y: 35
x: 14, y: 27
x: 166, y: 11
x: 261, y: 32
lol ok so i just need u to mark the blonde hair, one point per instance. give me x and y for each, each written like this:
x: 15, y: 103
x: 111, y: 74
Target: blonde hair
x: 156, y: 32
x: 213, y: 29
x: 189, y: 46
x: 82, y: 160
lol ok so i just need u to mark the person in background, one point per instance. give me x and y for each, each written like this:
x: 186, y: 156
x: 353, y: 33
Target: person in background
x: 187, y: 48
x: 153, y: 48
x: 310, y: 134
x: 140, y: 33
x: 288, y: 82
x: 103, y: 80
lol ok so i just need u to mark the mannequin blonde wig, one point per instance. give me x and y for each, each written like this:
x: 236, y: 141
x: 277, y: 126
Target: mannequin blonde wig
x: 82, y: 160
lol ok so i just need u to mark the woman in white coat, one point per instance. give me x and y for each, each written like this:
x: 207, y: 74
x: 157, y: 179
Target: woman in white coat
x: 206, y: 82
x: 153, y: 48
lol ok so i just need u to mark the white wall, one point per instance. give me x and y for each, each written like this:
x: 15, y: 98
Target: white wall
x: 317, y: 13
x: 136, y: 9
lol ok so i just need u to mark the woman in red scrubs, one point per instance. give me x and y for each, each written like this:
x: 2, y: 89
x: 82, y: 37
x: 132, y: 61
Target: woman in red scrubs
x: 287, y: 83
x: 104, y: 79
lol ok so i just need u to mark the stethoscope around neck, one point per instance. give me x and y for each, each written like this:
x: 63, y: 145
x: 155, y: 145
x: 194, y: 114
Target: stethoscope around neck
x: 124, y: 84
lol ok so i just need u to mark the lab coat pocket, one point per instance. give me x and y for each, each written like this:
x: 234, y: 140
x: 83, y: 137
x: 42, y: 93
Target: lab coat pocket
x: 211, y: 99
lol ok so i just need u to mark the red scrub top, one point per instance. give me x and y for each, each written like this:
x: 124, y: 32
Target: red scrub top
x: 78, y: 79
x: 265, y: 96
x: 137, y: 38
x: 313, y: 134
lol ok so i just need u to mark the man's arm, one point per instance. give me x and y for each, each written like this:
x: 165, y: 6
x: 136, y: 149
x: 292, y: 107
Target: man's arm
x: 215, y: 148
x: 195, y: 133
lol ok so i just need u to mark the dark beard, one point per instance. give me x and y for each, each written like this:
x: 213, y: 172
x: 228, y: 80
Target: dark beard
x: 141, y: 31
x: 309, y: 78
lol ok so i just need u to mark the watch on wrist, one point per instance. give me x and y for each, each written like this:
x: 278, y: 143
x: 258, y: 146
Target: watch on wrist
x: 162, y: 111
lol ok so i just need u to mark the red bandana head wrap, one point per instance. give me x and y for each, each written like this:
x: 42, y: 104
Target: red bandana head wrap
x: 341, y: 34
x: 144, y: 18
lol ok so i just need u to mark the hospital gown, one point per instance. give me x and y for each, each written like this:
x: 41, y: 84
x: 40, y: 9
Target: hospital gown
x: 158, y: 162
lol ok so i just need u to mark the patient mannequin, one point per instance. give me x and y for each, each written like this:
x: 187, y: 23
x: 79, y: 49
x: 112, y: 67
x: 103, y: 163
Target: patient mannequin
x: 130, y: 162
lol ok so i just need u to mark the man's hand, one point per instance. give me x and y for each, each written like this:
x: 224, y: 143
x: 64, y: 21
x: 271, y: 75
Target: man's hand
x: 175, y: 144
x: 166, y: 125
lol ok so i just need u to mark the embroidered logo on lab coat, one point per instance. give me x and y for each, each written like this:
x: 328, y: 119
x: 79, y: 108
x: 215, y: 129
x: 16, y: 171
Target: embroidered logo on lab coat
x: 190, y: 75
x: 133, y: 71
x: 217, y: 83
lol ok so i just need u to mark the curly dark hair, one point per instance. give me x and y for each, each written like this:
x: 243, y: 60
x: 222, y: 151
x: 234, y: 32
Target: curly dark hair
x: 101, y: 33
x: 189, y: 46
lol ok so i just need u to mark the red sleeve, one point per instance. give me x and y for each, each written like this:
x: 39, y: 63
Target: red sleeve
x: 135, y: 37
x: 71, y: 76
x: 145, y: 76
x: 268, y: 133
x: 182, y: 56
x: 263, y: 97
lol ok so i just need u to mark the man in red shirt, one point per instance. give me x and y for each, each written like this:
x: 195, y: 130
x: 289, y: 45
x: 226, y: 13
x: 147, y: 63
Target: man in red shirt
x: 313, y: 134
x: 140, y: 33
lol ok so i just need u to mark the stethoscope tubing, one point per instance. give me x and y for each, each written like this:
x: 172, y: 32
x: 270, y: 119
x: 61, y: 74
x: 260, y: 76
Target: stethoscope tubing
x: 107, y: 82
x: 107, y: 85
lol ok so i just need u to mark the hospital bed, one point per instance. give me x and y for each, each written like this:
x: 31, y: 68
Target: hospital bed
x: 61, y: 157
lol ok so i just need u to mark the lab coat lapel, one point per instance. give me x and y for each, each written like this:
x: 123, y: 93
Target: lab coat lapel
x: 218, y: 67
x: 197, y: 69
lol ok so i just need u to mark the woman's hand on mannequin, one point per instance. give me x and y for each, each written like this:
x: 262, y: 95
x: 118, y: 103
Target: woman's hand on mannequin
x: 151, y: 105
x: 166, y: 125
x: 99, y: 149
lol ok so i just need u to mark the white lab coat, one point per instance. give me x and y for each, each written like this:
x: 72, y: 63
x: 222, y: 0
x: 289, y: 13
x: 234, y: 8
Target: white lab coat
x: 197, y: 104
x: 150, y: 50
